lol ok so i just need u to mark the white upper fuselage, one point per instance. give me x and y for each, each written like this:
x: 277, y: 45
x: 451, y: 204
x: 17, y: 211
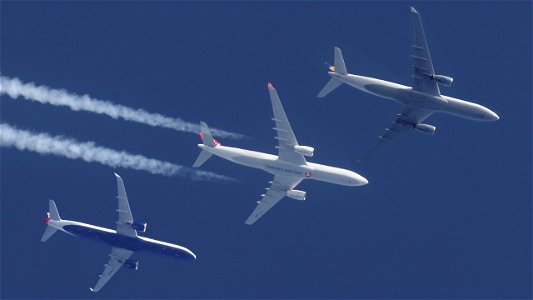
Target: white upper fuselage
x: 271, y: 164
x: 411, y: 98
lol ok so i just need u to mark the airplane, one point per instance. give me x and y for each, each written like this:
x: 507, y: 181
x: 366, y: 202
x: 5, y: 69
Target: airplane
x: 420, y: 101
x: 124, y: 241
x: 289, y: 167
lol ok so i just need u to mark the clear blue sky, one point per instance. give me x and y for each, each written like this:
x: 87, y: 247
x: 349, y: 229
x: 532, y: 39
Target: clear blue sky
x: 446, y: 216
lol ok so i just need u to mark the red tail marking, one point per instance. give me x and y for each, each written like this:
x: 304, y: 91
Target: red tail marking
x: 45, y: 220
x: 217, y: 143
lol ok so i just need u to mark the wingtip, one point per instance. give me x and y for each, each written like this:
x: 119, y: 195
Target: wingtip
x: 270, y: 86
x: 92, y: 290
x: 413, y: 10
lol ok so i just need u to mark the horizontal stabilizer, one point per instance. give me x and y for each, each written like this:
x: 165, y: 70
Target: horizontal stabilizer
x: 48, y: 233
x: 202, y: 158
x: 332, y: 84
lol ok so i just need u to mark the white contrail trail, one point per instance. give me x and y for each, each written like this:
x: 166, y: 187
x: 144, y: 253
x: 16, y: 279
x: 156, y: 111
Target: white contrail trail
x: 43, y: 143
x: 29, y: 91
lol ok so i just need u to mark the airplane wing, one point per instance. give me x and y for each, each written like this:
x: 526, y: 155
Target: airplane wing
x: 405, y: 122
x: 285, y: 135
x: 125, y: 218
x: 422, y: 65
x: 277, y: 190
x: 116, y: 258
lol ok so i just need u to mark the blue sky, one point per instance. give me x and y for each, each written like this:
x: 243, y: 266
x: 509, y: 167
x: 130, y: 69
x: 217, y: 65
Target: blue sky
x: 446, y: 216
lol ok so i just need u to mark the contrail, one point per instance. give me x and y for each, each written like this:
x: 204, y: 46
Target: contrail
x: 43, y: 143
x: 29, y: 91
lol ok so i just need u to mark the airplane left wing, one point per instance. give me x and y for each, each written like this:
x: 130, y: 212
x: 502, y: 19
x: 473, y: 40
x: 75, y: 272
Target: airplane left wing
x: 406, y: 121
x: 422, y: 65
x: 277, y: 190
x: 285, y: 135
x: 125, y: 218
x: 117, y: 257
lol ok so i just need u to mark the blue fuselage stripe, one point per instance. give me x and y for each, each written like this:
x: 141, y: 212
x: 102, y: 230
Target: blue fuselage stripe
x: 126, y: 242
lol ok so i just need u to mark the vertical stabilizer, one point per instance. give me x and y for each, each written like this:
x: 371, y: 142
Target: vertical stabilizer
x: 340, y: 66
x: 206, y: 136
x: 52, y: 214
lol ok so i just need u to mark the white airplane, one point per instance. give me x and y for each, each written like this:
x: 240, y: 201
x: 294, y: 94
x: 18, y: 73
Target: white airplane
x: 289, y: 167
x: 124, y: 240
x: 420, y: 101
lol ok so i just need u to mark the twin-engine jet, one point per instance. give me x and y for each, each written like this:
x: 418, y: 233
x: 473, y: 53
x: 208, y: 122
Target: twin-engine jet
x: 124, y: 240
x: 420, y: 101
x: 289, y: 167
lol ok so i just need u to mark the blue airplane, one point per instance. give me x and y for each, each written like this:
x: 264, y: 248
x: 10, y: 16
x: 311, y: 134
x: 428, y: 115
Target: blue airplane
x: 124, y: 241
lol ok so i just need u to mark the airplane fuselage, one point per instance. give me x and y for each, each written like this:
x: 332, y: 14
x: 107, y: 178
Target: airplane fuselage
x: 411, y: 98
x: 271, y: 164
x: 112, y: 238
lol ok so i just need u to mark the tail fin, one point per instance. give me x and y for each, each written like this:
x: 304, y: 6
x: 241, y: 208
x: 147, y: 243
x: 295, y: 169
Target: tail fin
x: 209, y: 141
x: 339, y: 67
x: 206, y: 136
x: 53, y: 214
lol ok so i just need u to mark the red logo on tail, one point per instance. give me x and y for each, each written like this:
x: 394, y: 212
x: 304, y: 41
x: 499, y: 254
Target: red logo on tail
x: 45, y: 220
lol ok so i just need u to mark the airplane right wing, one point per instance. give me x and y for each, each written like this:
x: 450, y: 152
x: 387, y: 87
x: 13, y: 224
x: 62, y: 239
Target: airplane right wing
x: 422, y: 65
x: 117, y: 257
x: 125, y: 218
x: 277, y: 190
x: 406, y: 121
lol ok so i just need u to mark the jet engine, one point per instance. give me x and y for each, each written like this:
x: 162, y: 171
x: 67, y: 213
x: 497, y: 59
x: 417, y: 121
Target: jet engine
x: 139, y: 226
x: 425, y: 128
x: 444, y: 80
x: 296, y: 194
x: 304, y: 150
x: 131, y: 264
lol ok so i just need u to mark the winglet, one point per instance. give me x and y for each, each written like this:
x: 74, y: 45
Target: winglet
x: 413, y: 10
x: 270, y: 86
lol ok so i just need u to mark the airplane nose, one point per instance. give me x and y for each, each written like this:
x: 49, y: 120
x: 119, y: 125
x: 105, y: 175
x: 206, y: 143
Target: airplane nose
x: 489, y: 115
x: 360, y: 180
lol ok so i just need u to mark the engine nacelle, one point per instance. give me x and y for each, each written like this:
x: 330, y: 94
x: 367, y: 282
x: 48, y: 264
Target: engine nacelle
x: 139, y: 226
x: 425, y: 128
x: 444, y: 80
x: 296, y: 194
x: 304, y: 150
x: 132, y: 264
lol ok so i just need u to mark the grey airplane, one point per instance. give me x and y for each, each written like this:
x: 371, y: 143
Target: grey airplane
x: 420, y: 101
